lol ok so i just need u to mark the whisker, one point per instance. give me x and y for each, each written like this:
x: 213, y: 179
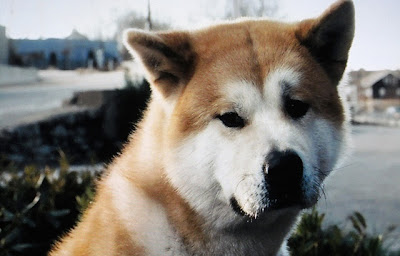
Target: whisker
x: 344, y: 166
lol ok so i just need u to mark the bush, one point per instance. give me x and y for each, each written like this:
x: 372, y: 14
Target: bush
x: 311, y: 239
x: 39, y: 206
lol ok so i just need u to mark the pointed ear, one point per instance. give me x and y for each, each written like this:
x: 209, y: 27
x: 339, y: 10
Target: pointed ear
x: 329, y: 37
x: 167, y: 57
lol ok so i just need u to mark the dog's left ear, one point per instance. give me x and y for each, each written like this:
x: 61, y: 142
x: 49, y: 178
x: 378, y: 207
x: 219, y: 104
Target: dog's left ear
x: 166, y: 56
x: 329, y: 37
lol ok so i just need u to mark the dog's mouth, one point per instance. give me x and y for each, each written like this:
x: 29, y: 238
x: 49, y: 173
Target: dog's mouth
x: 288, y: 200
x: 236, y: 207
x: 277, y: 200
x: 274, y: 205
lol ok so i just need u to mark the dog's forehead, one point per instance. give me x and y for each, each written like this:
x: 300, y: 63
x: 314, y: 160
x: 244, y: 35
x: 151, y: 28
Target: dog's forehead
x: 247, y: 50
x: 263, y: 53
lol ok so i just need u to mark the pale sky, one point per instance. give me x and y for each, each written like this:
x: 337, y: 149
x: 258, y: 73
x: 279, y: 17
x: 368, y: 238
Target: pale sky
x: 376, y: 44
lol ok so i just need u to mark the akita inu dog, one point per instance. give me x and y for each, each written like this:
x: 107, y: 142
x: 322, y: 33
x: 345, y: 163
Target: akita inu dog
x: 244, y: 123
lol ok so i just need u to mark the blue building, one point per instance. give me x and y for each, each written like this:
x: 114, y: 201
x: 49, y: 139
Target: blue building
x: 73, y: 52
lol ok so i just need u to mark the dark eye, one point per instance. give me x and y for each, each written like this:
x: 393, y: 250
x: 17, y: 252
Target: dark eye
x: 232, y: 120
x: 296, y: 108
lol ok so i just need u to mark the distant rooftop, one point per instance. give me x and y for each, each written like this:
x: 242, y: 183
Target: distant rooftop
x: 75, y: 35
x: 368, y: 78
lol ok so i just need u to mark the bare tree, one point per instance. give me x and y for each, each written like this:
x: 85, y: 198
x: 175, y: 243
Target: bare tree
x: 252, y: 8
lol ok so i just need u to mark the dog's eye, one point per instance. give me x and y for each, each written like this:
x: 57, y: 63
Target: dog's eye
x: 232, y: 120
x: 296, y: 108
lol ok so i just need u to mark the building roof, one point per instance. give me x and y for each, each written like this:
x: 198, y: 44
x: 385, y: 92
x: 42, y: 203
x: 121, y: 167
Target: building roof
x: 373, y: 77
x: 75, y: 35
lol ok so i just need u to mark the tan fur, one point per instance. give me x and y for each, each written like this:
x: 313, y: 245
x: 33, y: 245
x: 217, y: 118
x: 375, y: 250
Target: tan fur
x: 186, y: 71
x: 109, y: 238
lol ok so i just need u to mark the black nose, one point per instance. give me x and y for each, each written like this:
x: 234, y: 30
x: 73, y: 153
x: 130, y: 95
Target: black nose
x: 284, y: 175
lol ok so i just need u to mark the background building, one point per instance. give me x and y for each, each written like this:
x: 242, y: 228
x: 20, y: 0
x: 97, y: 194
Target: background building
x: 376, y: 90
x: 72, y: 52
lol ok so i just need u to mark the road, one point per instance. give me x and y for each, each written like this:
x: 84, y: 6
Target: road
x: 26, y: 102
x: 368, y: 182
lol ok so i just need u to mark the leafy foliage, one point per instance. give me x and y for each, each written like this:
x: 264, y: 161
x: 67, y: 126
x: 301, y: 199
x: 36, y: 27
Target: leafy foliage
x: 312, y: 239
x: 38, y: 206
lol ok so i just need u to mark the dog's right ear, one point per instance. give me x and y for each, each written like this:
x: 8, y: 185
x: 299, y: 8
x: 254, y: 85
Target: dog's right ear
x: 329, y: 37
x: 167, y: 57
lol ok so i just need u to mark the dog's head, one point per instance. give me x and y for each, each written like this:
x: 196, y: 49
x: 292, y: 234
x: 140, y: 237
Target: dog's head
x: 252, y: 116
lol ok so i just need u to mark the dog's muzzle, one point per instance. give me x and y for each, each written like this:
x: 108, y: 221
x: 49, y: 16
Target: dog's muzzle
x: 284, y: 184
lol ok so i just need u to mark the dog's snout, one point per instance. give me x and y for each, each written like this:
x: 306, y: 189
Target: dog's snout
x: 284, y: 177
x: 284, y: 168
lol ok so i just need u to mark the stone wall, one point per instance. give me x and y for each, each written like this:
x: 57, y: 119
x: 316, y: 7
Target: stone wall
x: 94, y: 133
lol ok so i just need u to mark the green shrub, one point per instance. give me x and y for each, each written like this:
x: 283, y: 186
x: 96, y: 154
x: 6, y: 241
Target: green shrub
x: 38, y: 206
x: 312, y: 239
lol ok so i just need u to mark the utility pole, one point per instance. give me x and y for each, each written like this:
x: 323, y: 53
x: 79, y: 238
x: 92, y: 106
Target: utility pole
x: 149, y: 25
